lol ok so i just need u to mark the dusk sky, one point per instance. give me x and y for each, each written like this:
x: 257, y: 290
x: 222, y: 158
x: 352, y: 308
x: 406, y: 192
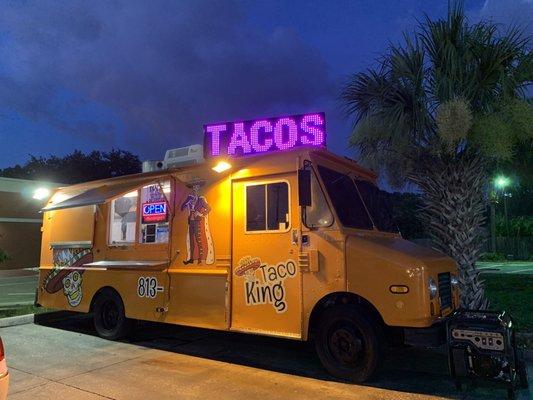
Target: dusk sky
x: 145, y: 76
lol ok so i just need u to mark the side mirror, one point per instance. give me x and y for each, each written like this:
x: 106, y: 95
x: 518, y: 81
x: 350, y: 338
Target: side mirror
x: 304, y: 187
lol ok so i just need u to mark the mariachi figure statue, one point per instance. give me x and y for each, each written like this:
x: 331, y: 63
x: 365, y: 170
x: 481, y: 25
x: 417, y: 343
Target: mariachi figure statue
x: 199, y: 242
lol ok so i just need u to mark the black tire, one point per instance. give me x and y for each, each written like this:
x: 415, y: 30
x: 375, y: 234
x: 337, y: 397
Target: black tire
x: 109, y: 317
x: 349, y: 344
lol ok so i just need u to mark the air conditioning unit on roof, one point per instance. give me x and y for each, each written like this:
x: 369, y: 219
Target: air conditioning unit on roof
x: 152, y: 165
x: 184, y: 156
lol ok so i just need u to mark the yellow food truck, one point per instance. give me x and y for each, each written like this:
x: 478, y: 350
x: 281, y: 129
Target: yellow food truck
x: 264, y: 231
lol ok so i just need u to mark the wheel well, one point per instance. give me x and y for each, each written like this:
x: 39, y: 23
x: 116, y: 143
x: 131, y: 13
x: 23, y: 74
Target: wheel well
x: 99, y: 292
x: 337, y: 298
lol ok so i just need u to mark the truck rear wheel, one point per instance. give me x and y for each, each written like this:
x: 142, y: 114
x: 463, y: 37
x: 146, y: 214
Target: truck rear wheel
x: 349, y: 344
x: 110, y: 319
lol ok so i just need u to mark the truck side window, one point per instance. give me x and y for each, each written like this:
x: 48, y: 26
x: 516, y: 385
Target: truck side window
x: 345, y: 199
x: 318, y: 214
x: 155, y: 213
x: 267, y: 207
x: 123, y: 219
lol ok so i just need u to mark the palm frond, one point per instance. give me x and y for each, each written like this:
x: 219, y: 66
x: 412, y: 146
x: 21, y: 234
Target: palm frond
x: 473, y: 78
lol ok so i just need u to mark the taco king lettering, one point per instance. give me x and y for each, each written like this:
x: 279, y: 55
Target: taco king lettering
x: 264, y: 284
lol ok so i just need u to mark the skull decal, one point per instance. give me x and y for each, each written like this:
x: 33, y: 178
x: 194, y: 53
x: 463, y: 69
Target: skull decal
x: 67, y: 273
x: 72, y: 288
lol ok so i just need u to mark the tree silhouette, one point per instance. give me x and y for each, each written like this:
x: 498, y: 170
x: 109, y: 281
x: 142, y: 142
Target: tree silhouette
x: 76, y: 167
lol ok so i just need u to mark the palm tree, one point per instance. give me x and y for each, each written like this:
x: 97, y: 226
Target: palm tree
x: 438, y: 111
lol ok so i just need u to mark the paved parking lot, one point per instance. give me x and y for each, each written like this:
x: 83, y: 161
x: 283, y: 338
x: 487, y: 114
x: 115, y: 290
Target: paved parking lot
x: 63, y: 359
x: 17, y: 287
x: 515, y: 267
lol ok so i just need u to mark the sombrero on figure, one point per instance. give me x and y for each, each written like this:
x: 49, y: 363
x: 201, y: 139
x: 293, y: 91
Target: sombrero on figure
x: 194, y: 182
x: 54, y: 280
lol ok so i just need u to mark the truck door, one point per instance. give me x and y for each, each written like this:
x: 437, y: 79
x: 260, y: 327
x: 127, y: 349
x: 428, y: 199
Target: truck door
x: 266, y: 281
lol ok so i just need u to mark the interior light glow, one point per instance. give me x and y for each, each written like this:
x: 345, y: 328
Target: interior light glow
x: 222, y: 166
x: 165, y: 186
x: 131, y: 194
x: 41, y: 193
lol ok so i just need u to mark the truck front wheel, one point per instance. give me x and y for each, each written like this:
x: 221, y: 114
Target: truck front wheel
x: 348, y: 343
x: 110, y: 320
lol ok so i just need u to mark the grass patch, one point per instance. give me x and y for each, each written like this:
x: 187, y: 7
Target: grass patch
x: 514, y: 294
x: 22, y: 310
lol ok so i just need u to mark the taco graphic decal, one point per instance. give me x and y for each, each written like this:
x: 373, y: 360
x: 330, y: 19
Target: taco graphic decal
x: 265, y: 284
x: 67, y: 274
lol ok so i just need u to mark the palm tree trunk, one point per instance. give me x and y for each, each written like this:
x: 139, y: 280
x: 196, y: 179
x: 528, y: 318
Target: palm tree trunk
x: 454, y: 211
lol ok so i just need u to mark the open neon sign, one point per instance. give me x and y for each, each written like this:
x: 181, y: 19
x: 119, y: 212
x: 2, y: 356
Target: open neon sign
x: 264, y: 135
x: 154, y: 212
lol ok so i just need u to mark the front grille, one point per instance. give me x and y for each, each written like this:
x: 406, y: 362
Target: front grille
x: 445, y: 290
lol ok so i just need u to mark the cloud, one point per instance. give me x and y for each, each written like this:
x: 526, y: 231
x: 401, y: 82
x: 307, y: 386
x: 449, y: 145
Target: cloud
x: 163, y: 68
x: 508, y: 13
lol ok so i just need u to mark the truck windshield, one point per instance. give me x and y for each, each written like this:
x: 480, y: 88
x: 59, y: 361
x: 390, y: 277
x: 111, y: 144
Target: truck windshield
x: 378, y: 204
x: 350, y: 197
x: 345, y: 199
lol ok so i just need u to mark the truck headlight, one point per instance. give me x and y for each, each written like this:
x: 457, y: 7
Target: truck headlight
x: 433, y: 289
x: 454, y: 281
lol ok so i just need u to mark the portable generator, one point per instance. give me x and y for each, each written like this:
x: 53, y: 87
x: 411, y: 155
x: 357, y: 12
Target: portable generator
x: 482, y: 346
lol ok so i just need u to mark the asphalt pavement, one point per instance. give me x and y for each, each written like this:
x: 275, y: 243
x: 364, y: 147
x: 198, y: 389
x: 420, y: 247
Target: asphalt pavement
x: 17, y: 287
x: 63, y: 358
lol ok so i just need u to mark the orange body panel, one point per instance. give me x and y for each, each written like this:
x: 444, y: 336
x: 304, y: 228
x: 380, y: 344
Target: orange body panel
x: 214, y: 272
x: 272, y: 287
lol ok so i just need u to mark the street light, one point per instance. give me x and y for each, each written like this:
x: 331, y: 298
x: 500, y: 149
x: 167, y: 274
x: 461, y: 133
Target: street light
x: 501, y: 182
x: 41, y: 193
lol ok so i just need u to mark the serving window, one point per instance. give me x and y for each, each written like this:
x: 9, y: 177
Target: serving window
x: 155, y: 213
x: 267, y: 207
x: 147, y: 208
x: 123, y: 219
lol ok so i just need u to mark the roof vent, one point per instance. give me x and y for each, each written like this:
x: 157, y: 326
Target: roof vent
x: 184, y: 156
x: 152, y: 165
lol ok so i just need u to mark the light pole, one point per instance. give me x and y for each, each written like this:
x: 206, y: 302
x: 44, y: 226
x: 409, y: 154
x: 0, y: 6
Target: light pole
x: 500, y: 183
x: 493, y: 200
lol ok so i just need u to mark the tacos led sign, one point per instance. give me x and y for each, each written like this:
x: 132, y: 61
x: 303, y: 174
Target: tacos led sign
x: 243, y: 138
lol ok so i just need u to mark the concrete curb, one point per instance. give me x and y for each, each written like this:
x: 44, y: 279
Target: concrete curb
x: 18, y: 320
x: 9, y: 306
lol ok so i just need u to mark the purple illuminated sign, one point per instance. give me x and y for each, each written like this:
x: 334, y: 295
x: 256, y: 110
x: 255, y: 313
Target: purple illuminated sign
x: 263, y: 135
